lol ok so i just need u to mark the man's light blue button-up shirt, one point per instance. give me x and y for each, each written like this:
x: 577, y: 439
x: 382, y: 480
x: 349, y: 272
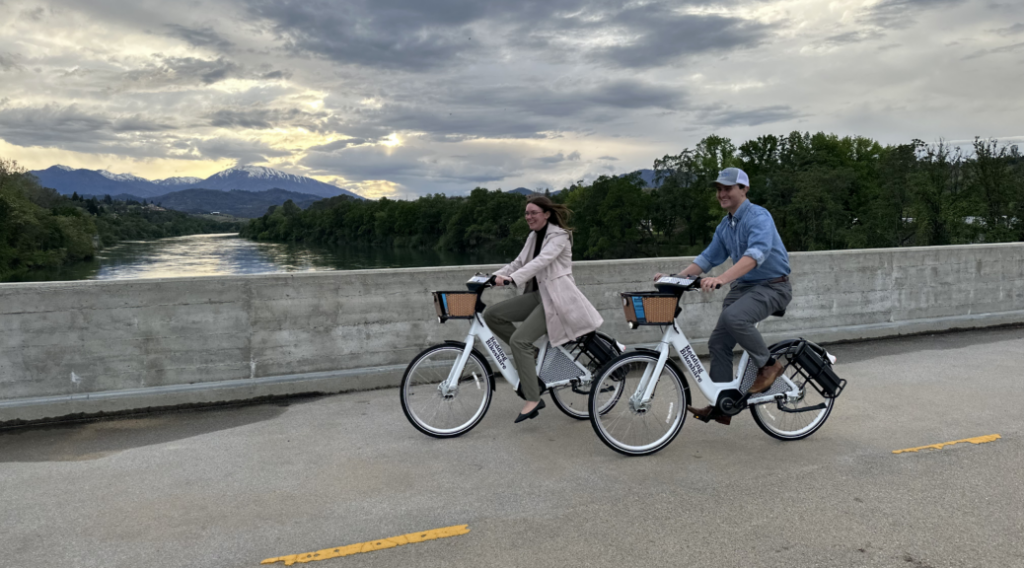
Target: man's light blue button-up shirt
x: 748, y: 232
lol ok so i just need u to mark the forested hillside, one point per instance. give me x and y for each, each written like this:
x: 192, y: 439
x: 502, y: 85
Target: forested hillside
x: 824, y: 191
x: 40, y: 228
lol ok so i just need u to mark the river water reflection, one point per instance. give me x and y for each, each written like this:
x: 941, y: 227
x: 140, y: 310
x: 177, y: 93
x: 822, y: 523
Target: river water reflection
x: 206, y: 255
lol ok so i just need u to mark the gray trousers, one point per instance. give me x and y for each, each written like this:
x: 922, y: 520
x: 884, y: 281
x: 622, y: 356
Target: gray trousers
x: 745, y: 305
x: 529, y: 310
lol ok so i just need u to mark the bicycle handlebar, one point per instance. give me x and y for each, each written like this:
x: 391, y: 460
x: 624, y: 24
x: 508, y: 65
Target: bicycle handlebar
x: 694, y: 285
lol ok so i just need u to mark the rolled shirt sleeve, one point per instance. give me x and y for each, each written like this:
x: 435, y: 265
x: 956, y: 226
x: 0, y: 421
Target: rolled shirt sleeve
x: 759, y: 240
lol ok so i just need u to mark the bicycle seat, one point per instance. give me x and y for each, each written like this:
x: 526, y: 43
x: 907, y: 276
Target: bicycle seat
x: 779, y: 313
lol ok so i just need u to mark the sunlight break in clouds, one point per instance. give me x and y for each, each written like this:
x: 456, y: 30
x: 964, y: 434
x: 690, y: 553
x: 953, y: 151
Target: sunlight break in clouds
x: 445, y: 96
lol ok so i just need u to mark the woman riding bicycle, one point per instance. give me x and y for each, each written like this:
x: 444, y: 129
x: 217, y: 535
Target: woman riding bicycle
x: 551, y: 303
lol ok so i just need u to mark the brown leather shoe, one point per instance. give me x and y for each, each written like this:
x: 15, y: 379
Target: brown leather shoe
x: 765, y: 377
x: 710, y: 413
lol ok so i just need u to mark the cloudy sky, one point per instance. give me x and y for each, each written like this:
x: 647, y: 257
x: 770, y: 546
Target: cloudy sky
x: 407, y: 97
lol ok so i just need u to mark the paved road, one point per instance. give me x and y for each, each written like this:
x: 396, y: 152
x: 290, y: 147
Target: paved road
x: 231, y: 487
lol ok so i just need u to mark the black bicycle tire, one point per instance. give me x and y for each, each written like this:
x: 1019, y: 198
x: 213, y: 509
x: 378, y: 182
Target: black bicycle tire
x: 488, y: 391
x: 760, y: 424
x: 683, y: 384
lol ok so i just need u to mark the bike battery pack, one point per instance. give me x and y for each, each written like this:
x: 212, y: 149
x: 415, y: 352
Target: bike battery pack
x: 818, y: 372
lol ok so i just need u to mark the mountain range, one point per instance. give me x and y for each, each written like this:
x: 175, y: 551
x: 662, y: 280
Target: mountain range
x: 236, y: 203
x: 248, y: 178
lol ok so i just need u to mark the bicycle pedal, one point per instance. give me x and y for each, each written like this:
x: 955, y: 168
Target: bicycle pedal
x: 704, y: 419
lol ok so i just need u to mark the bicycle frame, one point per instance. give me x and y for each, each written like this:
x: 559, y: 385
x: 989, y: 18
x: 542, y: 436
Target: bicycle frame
x: 675, y: 338
x: 479, y: 331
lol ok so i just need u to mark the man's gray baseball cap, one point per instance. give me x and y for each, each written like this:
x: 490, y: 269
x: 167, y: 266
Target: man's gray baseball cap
x: 731, y: 176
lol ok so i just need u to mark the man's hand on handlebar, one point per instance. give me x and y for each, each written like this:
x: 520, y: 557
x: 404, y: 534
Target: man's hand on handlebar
x: 710, y: 284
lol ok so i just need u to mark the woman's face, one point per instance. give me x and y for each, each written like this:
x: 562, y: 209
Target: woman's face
x: 536, y: 217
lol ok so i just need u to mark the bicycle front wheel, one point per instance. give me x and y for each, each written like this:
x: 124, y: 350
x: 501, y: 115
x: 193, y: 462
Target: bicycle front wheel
x: 795, y: 422
x: 445, y: 415
x: 628, y: 424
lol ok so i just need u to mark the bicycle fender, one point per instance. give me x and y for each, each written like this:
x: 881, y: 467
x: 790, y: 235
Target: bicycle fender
x: 675, y: 367
x: 682, y: 376
x: 487, y: 364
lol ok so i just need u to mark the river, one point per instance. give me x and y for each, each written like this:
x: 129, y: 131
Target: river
x: 208, y: 255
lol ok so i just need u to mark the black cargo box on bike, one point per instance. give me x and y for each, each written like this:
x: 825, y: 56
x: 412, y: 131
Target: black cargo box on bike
x: 809, y: 363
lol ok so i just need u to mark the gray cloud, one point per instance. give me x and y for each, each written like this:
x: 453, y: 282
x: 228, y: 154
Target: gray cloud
x: 53, y: 125
x: 900, y: 14
x: 199, y: 37
x: 35, y: 14
x: 139, y: 123
x: 7, y: 63
x: 852, y: 37
x: 511, y: 111
x: 1003, y: 49
x: 397, y: 34
x: 165, y: 71
x: 242, y: 151
x: 73, y: 128
x: 183, y: 70
x: 413, y: 166
x: 1009, y: 31
x: 411, y: 35
x: 753, y: 117
x: 338, y: 145
x: 559, y: 157
x: 664, y: 35
x: 263, y: 118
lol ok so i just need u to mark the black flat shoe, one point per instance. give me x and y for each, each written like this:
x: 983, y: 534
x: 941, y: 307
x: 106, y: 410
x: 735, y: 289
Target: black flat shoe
x: 531, y: 414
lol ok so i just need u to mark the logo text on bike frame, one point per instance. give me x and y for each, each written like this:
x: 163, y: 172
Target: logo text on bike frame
x: 692, y: 362
x: 496, y: 351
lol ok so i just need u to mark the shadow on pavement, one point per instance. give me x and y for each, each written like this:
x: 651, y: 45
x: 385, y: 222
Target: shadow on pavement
x: 95, y: 439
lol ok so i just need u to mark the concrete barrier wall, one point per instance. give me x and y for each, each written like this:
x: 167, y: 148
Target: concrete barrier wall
x: 85, y: 347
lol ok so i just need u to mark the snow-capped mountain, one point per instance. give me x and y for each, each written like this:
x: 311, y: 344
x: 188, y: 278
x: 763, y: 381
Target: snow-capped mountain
x: 177, y: 182
x: 249, y: 178
x: 91, y: 182
x: 121, y: 177
x: 259, y: 178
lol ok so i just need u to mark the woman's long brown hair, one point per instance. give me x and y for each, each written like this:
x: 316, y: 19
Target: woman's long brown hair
x: 560, y: 214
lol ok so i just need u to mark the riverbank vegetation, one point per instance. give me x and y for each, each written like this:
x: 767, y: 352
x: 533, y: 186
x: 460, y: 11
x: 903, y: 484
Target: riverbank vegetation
x: 824, y: 191
x: 40, y: 228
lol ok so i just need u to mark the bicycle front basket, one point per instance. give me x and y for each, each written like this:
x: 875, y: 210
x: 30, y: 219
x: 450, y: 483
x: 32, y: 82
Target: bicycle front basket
x: 455, y: 305
x: 649, y: 308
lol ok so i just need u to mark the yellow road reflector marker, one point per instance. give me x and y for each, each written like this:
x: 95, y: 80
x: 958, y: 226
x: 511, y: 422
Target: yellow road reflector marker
x: 370, y: 546
x: 978, y: 440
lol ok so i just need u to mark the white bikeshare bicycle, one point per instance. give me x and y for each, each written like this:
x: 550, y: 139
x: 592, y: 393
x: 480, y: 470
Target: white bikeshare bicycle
x: 447, y: 389
x: 651, y: 393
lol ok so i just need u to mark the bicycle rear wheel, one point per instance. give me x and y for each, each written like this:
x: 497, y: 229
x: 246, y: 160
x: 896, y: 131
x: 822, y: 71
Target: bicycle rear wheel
x: 574, y: 400
x: 428, y: 409
x: 792, y: 425
x: 627, y: 425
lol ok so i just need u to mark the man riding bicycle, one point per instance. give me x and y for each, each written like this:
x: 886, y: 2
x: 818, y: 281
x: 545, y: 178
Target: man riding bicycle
x: 760, y: 284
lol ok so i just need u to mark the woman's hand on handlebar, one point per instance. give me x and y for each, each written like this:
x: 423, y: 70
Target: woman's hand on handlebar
x: 500, y: 280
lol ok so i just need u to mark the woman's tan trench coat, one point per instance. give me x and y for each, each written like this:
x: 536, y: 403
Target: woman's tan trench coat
x: 567, y: 311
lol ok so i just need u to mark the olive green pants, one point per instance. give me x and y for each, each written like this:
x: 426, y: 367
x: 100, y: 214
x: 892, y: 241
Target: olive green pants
x: 529, y: 310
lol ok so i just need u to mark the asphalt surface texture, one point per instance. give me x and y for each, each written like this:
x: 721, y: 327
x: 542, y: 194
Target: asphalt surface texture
x: 230, y: 487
